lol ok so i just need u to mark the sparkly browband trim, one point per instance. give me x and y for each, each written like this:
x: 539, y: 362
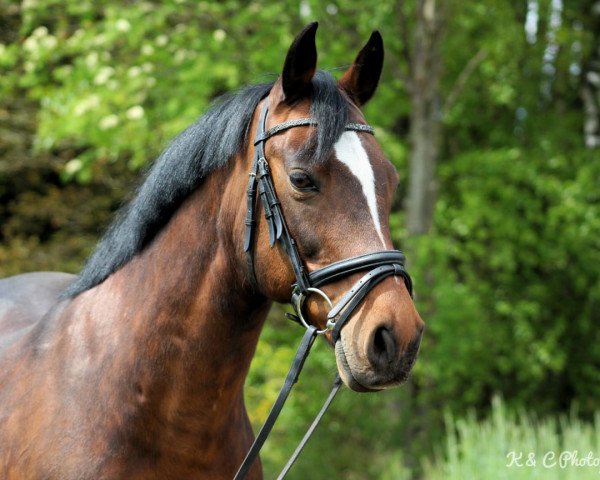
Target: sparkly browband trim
x: 299, y: 122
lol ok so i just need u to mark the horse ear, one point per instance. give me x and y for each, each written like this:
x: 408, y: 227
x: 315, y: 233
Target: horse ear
x: 300, y: 64
x: 361, y: 79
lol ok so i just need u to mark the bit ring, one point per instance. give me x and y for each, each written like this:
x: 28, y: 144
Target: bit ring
x: 300, y: 303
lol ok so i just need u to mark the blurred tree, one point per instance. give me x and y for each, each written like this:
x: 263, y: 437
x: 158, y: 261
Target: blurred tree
x: 424, y: 64
x: 590, y: 87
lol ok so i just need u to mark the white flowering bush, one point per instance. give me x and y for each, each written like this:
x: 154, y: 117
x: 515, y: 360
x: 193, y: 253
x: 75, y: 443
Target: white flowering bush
x: 117, y: 81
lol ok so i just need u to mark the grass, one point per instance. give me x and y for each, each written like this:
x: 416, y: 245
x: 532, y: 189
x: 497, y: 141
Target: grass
x: 516, y: 446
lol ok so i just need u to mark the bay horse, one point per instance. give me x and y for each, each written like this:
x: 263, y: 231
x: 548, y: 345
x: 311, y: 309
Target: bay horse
x: 134, y: 369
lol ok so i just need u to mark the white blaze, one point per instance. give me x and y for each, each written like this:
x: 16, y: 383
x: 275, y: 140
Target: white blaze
x: 349, y: 151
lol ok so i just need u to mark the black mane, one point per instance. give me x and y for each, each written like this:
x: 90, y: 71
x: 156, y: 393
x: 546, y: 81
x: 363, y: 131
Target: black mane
x: 203, y: 147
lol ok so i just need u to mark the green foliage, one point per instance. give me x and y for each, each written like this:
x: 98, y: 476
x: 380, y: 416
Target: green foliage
x: 535, y: 234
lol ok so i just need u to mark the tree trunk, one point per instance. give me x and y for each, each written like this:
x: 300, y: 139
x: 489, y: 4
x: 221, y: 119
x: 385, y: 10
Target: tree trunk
x: 590, y: 84
x: 425, y: 117
x: 422, y: 80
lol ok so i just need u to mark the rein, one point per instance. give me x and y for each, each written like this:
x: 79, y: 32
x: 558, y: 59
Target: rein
x: 380, y: 265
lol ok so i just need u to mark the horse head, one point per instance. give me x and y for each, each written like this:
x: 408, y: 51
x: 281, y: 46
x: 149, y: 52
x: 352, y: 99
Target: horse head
x: 335, y: 187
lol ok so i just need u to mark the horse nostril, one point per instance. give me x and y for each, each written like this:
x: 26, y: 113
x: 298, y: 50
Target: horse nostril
x: 383, y: 349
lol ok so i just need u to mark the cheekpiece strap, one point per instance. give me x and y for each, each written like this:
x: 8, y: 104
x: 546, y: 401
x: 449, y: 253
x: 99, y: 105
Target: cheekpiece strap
x: 260, y: 176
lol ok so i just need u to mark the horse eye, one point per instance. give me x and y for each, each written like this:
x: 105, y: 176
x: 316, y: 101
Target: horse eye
x: 302, y: 181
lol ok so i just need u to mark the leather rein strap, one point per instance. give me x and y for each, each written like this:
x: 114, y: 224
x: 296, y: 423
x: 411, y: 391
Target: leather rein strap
x: 380, y: 265
x: 290, y: 379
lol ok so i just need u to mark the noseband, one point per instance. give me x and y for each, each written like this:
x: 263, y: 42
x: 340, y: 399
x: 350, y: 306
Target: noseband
x: 378, y: 265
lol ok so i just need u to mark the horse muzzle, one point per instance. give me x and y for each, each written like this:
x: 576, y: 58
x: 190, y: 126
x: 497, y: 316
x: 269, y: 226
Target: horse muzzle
x: 382, y: 363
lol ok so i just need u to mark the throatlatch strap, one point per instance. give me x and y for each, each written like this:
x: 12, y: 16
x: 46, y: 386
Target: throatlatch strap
x: 290, y: 380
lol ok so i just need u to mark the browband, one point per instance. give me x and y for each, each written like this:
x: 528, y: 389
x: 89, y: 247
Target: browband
x: 300, y: 122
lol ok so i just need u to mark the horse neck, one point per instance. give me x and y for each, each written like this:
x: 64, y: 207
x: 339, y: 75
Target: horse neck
x: 179, y: 318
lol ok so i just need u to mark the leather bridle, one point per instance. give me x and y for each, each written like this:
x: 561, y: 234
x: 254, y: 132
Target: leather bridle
x: 379, y: 265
